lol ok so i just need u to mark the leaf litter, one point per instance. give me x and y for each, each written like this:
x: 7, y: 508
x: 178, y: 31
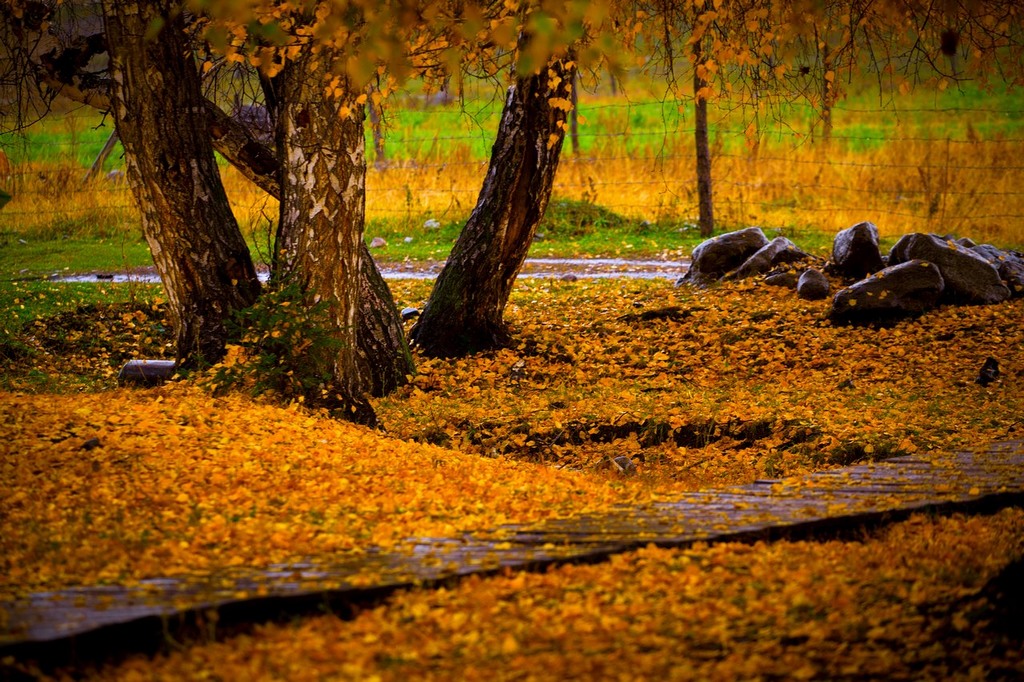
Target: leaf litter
x: 697, y: 388
x: 913, y: 601
x: 717, y: 386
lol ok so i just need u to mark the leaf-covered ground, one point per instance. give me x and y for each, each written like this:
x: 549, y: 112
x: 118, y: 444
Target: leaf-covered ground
x: 119, y: 486
x: 722, y: 385
x: 913, y: 602
x: 698, y: 388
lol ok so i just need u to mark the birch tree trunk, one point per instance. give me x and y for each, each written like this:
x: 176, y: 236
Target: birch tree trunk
x: 383, y: 352
x: 198, y: 249
x: 465, y: 311
x: 320, y: 231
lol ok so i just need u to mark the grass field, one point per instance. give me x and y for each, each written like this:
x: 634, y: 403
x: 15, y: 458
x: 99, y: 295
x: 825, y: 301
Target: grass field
x: 944, y: 162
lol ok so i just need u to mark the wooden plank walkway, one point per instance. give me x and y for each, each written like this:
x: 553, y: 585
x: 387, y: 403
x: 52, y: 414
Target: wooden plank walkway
x: 826, y: 502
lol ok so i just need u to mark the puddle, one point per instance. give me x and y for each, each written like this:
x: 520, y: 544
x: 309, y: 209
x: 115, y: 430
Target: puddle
x: 533, y: 268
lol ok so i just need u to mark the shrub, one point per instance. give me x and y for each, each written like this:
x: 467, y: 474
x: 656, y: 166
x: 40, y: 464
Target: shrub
x: 281, y: 342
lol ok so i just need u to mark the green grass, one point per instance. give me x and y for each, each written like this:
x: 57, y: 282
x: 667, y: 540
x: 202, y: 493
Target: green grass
x: 33, y: 258
x: 26, y: 301
x: 102, y: 235
x: 863, y: 120
x: 569, y: 229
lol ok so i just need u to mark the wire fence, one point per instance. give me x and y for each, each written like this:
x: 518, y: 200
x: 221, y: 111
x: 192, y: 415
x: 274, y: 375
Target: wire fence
x: 942, y: 169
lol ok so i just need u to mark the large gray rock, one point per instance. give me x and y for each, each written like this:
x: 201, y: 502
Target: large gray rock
x: 812, y: 285
x: 855, y: 252
x: 776, y: 252
x: 1009, y: 265
x: 969, y: 278
x: 718, y: 255
x: 901, y: 290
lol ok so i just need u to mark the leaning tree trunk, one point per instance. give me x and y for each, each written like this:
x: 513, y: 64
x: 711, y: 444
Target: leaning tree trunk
x: 464, y: 312
x: 197, y: 247
x: 320, y: 231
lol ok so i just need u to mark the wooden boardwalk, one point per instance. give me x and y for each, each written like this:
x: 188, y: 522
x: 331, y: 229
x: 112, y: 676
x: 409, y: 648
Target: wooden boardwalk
x: 52, y: 624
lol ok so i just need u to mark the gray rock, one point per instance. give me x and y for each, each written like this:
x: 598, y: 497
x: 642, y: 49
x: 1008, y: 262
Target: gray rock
x: 378, y: 242
x: 716, y: 256
x: 968, y: 277
x: 989, y: 372
x: 812, y: 285
x: 783, y: 279
x: 624, y: 465
x: 145, y: 372
x: 855, y: 253
x: 409, y: 313
x: 902, y: 290
x: 1009, y: 265
x: 776, y: 252
x: 990, y: 253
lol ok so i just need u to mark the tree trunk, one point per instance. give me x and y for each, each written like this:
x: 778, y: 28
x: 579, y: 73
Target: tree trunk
x: 197, y: 247
x: 464, y: 312
x: 320, y: 231
x: 383, y: 351
x: 827, y: 93
x: 101, y: 158
x: 574, y: 116
x: 380, y: 158
x: 700, y: 103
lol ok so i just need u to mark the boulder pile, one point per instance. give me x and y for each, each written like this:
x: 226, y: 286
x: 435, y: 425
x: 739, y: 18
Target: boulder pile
x: 920, y: 272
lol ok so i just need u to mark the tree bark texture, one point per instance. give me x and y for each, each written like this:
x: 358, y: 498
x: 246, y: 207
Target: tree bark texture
x: 465, y: 311
x: 704, y: 196
x: 198, y: 249
x: 320, y: 231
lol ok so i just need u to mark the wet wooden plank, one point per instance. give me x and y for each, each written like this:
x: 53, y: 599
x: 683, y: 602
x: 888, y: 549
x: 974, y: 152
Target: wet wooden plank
x: 819, y: 502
